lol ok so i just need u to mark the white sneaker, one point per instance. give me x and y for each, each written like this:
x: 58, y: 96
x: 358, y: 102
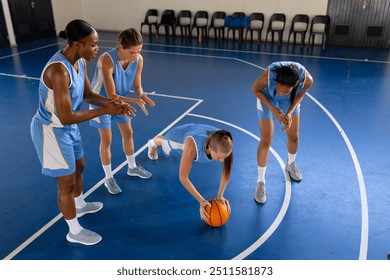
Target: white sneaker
x: 112, y: 186
x: 91, y: 207
x: 85, y: 237
x: 139, y: 171
x: 293, y: 171
x: 260, y: 195
x: 152, y: 150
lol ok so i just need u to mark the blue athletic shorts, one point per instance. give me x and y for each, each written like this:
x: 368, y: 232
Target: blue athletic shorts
x: 57, y: 148
x: 104, y: 121
x: 264, y: 113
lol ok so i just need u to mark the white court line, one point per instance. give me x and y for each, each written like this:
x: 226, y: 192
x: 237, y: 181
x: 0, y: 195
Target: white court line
x: 359, y: 173
x: 19, y: 76
x: 140, y: 150
x: 362, y: 187
x: 98, y: 184
x: 28, y: 51
x: 286, y: 201
x: 256, y: 52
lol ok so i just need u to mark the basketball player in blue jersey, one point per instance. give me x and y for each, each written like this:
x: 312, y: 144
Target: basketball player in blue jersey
x: 200, y: 143
x: 117, y: 72
x: 63, y: 86
x: 279, y: 92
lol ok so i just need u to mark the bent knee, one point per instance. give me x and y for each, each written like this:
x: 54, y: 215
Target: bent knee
x: 266, y: 142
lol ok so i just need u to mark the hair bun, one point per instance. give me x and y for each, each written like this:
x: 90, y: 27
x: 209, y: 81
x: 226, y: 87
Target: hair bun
x: 62, y: 34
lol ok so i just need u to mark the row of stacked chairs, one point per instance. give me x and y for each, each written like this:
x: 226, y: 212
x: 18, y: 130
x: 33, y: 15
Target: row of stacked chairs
x: 237, y: 22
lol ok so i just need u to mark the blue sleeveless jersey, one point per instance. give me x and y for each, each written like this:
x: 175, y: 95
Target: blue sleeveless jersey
x: 123, y: 78
x: 269, y: 90
x: 200, y: 133
x: 47, y: 112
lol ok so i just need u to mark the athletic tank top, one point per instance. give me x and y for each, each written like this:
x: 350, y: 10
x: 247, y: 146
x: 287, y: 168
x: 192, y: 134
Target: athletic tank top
x: 200, y: 133
x: 123, y: 78
x: 47, y: 111
x: 272, y: 79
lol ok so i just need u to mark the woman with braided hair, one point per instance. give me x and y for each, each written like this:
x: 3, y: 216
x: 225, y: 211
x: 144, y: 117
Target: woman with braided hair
x: 279, y: 91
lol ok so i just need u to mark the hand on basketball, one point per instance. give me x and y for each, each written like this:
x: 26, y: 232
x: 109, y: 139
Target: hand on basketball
x: 202, y: 209
x: 226, y: 202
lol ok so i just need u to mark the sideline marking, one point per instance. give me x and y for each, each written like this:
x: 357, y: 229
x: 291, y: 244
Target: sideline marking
x: 362, y: 186
x: 98, y: 184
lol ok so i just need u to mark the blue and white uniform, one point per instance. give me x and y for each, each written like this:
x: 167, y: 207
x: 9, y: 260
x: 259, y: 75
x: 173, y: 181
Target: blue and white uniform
x: 282, y: 102
x: 58, y: 146
x: 123, y: 79
x: 175, y: 138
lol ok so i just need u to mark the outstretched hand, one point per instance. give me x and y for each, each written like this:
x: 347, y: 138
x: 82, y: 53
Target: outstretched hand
x: 141, y: 104
x: 147, y: 100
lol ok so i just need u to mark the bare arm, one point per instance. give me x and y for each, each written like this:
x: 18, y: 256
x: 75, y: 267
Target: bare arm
x: 298, y: 99
x: 138, y: 83
x: 222, y: 185
x: 299, y: 96
x: 106, y: 66
x: 257, y: 88
x: 57, y: 78
x: 189, y: 153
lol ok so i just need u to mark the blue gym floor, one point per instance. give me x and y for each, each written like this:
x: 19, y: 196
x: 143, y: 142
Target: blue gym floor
x: 340, y: 210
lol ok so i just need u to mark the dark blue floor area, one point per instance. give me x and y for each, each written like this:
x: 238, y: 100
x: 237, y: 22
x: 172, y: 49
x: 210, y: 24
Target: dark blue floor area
x: 338, y: 212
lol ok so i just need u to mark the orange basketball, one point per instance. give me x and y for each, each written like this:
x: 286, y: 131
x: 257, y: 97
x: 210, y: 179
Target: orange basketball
x: 219, y: 213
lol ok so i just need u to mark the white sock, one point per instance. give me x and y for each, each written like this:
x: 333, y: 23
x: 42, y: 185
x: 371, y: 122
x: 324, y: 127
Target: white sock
x: 79, y: 201
x: 261, y: 174
x: 291, y: 158
x: 74, y: 226
x: 107, y: 171
x: 131, y: 161
x: 151, y: 141
x: 165, y: 147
